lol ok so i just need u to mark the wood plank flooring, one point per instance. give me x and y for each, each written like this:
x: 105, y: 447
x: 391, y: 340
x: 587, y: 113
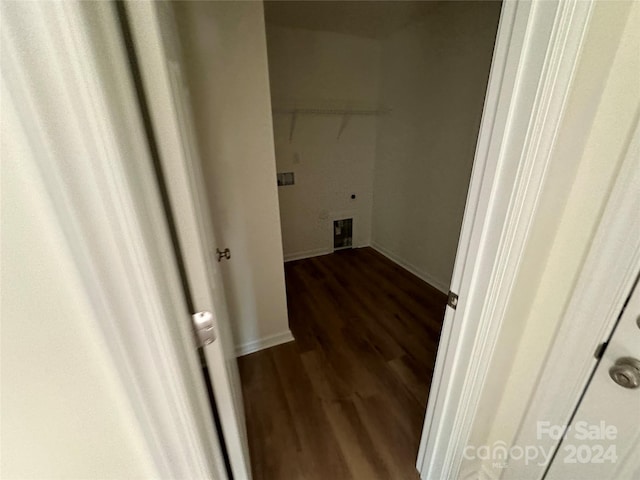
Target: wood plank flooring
x: 346, y: 400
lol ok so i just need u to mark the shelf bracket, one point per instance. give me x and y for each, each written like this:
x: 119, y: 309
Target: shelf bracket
x: 294, y: 116
x: 345, y: 121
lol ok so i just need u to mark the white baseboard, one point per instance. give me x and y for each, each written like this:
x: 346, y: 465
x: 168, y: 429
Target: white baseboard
x: 434, y: 282
x: 290, y: 257
x: 262, y: 343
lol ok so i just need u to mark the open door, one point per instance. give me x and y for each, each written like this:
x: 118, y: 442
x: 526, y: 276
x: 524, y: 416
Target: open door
x: 537, y: 48
x: 157, y: 55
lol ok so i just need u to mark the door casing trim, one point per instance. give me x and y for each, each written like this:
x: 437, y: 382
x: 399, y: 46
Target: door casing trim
x: 89, y: 146
x: 606, y: 278
x: 536, y: 52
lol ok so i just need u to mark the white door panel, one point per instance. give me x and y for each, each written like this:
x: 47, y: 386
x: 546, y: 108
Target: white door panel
x: 158, y: 53
x: 603, y: 440
x: 222, y: 351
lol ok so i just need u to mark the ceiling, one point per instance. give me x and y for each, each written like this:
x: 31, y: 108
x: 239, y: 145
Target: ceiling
x: 370, y: 19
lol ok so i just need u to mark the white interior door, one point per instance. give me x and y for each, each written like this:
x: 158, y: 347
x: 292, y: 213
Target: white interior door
x: 603, y: 440
x: 525, y: 86
x: 158, y: 53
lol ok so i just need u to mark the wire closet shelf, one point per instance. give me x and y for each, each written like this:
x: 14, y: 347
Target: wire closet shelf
x: 345, y: 113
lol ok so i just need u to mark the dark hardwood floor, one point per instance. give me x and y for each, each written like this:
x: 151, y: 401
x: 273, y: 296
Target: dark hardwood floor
x: 346, y: 400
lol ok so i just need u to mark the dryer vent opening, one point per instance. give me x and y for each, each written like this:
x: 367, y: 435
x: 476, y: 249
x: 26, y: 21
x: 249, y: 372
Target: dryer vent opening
x: 342, y: 233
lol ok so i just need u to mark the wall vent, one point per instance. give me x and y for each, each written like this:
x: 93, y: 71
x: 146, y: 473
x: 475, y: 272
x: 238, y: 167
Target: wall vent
x: 342, y: 233
x: 286, y: 178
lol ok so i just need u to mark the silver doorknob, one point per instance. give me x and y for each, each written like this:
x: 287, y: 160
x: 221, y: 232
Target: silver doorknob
x: 626, y: 372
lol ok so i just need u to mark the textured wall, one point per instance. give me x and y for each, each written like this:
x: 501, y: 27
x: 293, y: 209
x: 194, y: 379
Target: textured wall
x: 433, y: 76
x: 323, y: 70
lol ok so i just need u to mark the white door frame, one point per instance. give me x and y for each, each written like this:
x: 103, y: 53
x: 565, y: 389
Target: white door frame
x: 536, y: 52
x: 158, y: 53
x: 607, y: 276
x: 67, y: 75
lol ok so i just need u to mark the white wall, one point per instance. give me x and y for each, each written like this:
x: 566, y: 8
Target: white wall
x: 410, y: 168
x: 226, y: 64
x: 433, y: 77
x: 599, y: 119
x: 64, y: 412
x: 315, y: 69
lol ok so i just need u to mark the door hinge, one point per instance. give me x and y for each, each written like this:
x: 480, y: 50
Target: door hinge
x: 226, y: 253
x: 452, y: 301
x: 204, y: 328
x: 600, y: 350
